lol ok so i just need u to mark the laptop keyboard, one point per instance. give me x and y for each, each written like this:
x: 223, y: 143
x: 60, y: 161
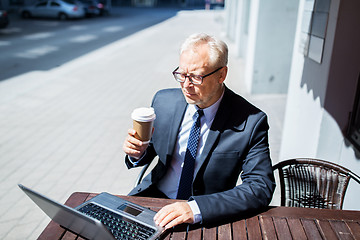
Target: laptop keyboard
x: 121, y: 227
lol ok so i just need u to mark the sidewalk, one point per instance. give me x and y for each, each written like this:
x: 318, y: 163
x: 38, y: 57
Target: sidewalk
x: 62, y: 131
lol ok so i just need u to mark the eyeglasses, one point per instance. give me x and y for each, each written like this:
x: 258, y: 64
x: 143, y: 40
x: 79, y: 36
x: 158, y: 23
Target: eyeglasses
x: 194, y: 79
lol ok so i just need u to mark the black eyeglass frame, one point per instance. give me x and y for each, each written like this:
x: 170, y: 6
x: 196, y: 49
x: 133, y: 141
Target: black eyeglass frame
x: 191, y: 76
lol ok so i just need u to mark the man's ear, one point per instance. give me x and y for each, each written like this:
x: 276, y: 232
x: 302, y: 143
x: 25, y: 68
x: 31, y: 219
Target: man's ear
x: 223, y: 73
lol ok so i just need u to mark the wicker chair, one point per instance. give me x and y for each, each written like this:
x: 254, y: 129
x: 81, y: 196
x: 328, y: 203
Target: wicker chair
x: 313, y: 183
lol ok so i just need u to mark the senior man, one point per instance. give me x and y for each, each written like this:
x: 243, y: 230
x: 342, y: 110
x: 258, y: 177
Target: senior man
x: 205, y: 135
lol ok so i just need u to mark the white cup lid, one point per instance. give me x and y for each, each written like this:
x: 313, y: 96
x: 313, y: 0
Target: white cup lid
x: 143, y: 114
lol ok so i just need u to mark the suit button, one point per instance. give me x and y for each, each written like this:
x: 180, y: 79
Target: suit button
x: 139, y: 189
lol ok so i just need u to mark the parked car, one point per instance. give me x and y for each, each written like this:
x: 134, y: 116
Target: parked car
x: 217, y: 3
x: 95, y: 7
x: 4, y: 19
x: 61, y: 9
x: 103, y: 5
x: 90, y: 7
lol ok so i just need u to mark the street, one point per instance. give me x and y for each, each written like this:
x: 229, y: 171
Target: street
x: 42, y: 44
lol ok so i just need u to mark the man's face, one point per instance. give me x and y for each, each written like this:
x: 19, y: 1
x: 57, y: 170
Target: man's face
x: 196, y: 62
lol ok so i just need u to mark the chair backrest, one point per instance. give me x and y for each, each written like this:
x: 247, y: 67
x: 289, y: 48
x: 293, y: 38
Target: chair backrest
x: 313, y: 183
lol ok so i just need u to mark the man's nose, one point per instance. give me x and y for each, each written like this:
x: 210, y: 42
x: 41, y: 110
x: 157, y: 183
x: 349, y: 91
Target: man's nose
x: 187, y: 81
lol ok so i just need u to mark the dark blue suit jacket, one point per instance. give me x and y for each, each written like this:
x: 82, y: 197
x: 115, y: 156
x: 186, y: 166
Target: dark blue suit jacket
x: 237, y: 143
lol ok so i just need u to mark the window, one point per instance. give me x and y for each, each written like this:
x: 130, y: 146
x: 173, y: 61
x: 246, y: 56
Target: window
x: 42, y: 4
x: 70, y: 1
x: 313, y: 28
x: 55, y: 4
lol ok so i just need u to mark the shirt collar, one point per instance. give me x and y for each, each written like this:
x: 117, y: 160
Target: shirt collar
x: 209, y: 112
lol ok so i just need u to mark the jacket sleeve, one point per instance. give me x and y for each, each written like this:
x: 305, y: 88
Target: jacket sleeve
x: 256, y: 189
x: 148, y: 156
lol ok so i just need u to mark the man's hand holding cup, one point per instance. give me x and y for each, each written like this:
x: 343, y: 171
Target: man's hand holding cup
x: 139, y: 136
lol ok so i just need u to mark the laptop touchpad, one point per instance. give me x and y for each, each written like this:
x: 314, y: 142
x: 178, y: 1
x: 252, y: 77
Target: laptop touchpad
x: 130, y: 209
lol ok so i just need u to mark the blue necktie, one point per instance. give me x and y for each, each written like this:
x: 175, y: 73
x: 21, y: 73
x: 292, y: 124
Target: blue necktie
x: 187, y: 173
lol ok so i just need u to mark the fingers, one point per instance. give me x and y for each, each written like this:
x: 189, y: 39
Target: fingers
x: 174, y: 214
x: 132, y: 146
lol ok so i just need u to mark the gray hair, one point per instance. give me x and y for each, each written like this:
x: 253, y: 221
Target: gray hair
x: 218, y: 50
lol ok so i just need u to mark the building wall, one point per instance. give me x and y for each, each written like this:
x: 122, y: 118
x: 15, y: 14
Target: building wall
x: 340, y: 95
x: 237, y: 25
x: 264, y: 33
x: 321, y: 95
x: 274, y: 43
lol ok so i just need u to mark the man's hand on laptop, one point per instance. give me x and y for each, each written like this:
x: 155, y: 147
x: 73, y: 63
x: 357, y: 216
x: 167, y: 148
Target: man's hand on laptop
x: 174, y: 214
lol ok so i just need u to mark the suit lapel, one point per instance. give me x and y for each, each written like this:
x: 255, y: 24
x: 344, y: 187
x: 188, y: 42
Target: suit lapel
x: 210, y: 141
x: 221, y: 117
x: 180, y: 108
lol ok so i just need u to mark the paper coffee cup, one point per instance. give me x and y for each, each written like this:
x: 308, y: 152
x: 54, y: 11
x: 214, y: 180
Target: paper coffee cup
x: 143, y: 122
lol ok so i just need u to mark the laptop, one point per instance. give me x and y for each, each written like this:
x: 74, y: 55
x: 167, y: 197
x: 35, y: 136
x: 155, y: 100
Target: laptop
x: 104, y: 217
